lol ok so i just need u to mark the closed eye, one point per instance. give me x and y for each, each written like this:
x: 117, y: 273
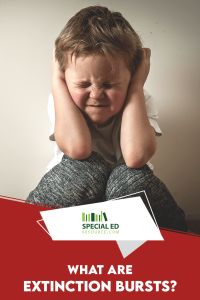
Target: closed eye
x: 106, y: 85
x: 83, y: 86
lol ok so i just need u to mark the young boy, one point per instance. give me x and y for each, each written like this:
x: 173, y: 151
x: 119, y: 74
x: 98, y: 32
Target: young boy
x: 104, y: 122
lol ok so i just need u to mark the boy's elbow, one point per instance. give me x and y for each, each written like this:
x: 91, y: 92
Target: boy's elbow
x: 75, y: 151
x: 135, y: 163
x: 81, y: 153
x: 138, y: 160
x: 78, y: 153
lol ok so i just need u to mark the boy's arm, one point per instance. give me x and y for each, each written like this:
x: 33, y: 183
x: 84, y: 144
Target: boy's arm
x: 138, y: 140
x: 71, y: 131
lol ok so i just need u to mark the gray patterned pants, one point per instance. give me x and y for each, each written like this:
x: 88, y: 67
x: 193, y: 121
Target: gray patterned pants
x: 77, y: 182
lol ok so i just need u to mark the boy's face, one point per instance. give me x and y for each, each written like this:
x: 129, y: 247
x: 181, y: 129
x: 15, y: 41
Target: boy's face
x: 99, y: 93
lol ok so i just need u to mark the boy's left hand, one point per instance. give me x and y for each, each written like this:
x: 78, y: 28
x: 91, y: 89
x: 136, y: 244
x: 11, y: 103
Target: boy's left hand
x: 141, y: 74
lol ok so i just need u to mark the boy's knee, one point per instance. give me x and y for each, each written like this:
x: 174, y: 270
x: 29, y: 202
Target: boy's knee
x: 93, y: 169
x: 73, y: 182
x: 124, y: 181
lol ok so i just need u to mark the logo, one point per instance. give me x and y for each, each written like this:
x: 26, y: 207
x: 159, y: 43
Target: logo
x: 98, y: 224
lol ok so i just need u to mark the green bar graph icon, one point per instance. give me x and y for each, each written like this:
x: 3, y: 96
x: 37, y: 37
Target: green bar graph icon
x: 94, y: 217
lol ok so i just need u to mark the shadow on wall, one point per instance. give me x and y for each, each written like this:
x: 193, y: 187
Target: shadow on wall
x: 176, y: 161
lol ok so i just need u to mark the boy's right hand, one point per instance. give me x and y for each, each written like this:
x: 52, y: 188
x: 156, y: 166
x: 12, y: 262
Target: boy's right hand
x: 56, y: 71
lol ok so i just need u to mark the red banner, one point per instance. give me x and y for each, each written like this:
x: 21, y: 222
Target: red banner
x: 35, y: 267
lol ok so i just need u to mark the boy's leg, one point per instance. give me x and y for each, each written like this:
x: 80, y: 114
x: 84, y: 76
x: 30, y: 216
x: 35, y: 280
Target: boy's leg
x: 125, y: 181
x: 73, y: 182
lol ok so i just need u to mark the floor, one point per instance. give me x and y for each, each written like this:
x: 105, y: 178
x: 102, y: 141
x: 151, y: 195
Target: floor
x: 194, y: 226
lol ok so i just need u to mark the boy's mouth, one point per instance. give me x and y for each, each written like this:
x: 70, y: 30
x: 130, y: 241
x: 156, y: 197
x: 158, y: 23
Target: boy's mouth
x: 96, y: 105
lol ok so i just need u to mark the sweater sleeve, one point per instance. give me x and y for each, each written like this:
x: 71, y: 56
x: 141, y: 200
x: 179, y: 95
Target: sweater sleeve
x: 152, y: 112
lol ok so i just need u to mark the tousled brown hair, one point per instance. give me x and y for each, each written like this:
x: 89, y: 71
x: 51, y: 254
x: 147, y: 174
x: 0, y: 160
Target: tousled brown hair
x: 95, y: 29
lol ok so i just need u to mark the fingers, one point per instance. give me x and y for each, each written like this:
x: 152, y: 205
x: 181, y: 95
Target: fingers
x: 54, y: 50
x: 54, y: 59
x: 147, y: 53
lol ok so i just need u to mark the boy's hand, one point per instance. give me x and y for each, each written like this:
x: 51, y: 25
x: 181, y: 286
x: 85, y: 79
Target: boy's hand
x: 141, y: 74
x: 56, y: 71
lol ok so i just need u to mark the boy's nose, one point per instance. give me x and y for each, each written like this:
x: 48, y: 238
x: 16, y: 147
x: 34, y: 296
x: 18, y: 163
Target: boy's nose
x: 96, y: 94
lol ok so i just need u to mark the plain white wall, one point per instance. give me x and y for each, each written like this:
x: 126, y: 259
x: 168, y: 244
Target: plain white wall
x: 28, y: 30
